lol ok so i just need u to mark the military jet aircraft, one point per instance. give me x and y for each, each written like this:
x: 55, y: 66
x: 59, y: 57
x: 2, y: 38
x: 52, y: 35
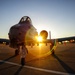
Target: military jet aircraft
x: 24, y: 33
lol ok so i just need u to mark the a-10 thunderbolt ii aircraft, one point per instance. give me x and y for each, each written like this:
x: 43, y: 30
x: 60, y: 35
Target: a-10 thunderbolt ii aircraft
x: 24, y: 33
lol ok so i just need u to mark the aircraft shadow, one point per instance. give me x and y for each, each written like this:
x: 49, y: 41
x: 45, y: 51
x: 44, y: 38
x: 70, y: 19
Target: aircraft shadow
x: 64, y: 65
x: 7, y: 67
x: 2, y: 62
x: 18, y: 71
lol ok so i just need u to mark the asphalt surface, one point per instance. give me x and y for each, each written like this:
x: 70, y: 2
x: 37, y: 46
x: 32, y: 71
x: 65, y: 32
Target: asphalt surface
x: 39, y: 61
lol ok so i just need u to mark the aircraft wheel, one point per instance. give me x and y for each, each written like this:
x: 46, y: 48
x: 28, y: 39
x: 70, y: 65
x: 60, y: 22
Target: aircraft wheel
x: 22, y: 61
x: 16, y: 52
x: 53, y: 51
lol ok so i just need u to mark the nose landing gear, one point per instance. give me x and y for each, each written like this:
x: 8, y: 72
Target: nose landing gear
x: 22, y: 61
x: 24, y: 51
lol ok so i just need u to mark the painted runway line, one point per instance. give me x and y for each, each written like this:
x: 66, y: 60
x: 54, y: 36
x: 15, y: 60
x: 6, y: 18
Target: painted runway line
x: 38, y: 69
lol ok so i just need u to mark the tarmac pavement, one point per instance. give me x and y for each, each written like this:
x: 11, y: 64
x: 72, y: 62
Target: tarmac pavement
x: 39, y: 61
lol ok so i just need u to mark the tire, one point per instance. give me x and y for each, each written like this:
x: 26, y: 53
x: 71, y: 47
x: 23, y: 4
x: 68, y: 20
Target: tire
x: 16, y: 52
x: 53, y: 52
x: 22, y: 61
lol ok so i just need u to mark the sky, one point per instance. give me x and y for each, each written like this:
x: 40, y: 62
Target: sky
x: 57, y: 16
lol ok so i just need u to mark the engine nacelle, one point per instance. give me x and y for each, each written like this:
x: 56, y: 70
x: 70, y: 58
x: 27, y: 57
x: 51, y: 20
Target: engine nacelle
x: 44, y: 34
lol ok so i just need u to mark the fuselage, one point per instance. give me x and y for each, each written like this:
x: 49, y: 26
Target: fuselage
x: 22, y: 32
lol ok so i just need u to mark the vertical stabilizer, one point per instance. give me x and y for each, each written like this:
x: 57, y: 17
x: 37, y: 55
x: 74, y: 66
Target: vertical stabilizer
x: 49, y: 34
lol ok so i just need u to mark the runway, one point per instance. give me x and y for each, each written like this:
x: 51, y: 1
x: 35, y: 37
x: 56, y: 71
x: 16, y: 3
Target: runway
x: 38, y: 61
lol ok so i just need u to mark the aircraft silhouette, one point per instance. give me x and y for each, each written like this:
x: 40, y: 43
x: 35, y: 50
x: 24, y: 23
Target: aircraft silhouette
x: 24, y: 33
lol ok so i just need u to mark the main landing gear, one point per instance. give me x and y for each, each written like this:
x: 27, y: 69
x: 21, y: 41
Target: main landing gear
x: 17, y: 52
x: 51, y: 48
x: 52, y: 52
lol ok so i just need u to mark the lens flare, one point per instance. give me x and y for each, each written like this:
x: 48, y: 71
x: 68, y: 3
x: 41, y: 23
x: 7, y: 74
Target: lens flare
x: 39, y: 39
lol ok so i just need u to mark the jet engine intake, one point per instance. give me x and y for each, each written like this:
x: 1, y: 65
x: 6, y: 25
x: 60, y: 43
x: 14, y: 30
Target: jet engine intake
x: 44, y: 34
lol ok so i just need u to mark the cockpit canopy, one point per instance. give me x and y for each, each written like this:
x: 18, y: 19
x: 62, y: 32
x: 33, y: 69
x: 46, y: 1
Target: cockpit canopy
x: 25, y: 19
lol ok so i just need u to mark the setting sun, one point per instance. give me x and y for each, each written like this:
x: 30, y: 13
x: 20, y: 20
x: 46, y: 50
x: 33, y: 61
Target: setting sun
x: 39, y: 38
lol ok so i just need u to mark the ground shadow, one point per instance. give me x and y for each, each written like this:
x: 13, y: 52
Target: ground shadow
x: 64, y: 65
x: 2, y: 62
x: 18, y: 71
x: 7, y: 67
